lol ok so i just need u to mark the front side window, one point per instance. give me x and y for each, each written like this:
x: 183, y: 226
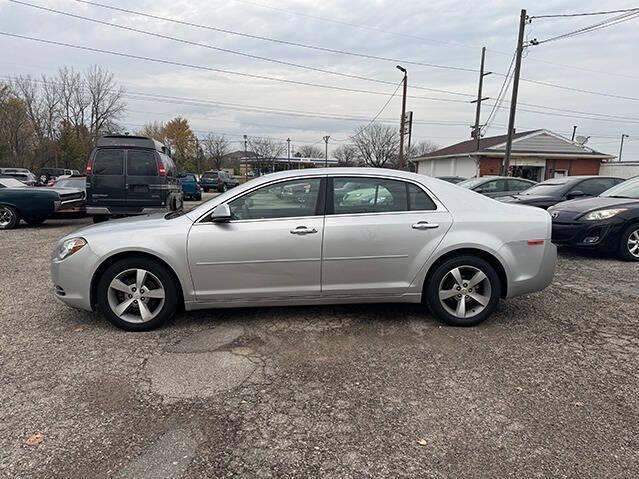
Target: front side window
x: 595, y: 186
x: 141, y: 163
x: 287, y: 199
x: 108, y: 162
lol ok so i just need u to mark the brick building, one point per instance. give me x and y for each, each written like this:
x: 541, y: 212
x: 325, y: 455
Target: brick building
x: 536, y: 155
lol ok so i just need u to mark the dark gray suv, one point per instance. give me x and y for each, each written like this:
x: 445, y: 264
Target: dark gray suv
x: 131, y: 175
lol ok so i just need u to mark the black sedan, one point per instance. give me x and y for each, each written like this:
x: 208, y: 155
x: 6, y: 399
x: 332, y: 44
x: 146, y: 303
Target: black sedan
x: 497, y: 186
x: 553, y: 191
x: 609, y: 221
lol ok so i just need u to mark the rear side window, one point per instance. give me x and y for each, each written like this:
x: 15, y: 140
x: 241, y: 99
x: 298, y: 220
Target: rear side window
x: 108, y: 162
x: 141, y: 163
x: 418, y: 200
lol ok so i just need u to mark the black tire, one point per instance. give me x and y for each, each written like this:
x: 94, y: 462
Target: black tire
x: 224, y: 188
x: 198, y: 197
x: 206, y: 189
x: 100, y: 218
x: 624, y: 251
x: 35, y: 221
x: 468, y: 266
x: 9, y: 217
x: 168, y: 283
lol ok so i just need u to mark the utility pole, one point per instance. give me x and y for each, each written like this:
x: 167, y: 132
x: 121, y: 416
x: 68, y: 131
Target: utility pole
x: 410, y: 131
x: 621, y: 146
x: 477, y: 126
x: 402, y: 119
x: 246, y: 162
x: 326, y: 157
x: 574, y: 132
x: 288, y: 150
x: 513, y: 101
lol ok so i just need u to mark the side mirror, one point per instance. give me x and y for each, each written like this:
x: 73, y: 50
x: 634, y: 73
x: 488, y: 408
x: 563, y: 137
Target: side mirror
x: 575, y: 194
x: 221, y: 213
x: 478, y: 190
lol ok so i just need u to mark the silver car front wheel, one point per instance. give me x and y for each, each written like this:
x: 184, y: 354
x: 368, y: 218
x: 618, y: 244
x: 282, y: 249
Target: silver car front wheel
x: 137, y: 293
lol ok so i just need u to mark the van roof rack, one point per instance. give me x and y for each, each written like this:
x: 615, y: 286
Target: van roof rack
x: 132, y: 141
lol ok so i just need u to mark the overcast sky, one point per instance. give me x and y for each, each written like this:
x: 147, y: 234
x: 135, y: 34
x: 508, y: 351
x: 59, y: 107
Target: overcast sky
x: 442, y: 32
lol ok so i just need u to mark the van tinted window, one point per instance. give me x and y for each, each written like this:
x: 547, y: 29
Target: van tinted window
x: 141, y: 163
x: 108, y: 162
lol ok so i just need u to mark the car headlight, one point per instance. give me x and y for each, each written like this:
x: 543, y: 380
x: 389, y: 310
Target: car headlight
x: 603, y: 214
x: 70, y: 246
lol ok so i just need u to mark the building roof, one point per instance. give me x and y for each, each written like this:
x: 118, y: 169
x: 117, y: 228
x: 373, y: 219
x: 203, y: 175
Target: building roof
x: 540, y: 142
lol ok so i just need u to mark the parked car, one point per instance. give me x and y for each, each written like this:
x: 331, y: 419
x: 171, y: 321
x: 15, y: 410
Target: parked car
x: 427, y: 242
x: 45, y: 175
x: 21, y: 174
x: 76, y: 182
x: 33, y: 205
x: 218, y: 180
x: 496, y: 186
x: 452, y: 179
x: 191, y: 190
x: 131, y: 175
x: 556, y: 190
x: 609, y: 222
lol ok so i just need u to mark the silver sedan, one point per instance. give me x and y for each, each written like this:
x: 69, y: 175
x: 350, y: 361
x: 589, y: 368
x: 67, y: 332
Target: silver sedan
x: 309, y: 237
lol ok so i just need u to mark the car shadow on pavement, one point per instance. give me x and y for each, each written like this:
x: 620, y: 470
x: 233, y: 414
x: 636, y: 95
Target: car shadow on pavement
x: 583, y: 253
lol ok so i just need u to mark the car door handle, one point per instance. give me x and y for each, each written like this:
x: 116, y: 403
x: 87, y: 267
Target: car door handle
x: 425, y: 225
x: 303, y: 230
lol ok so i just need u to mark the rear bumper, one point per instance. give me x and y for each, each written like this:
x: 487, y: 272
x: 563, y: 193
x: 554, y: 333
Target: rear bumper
x: 532, y: 267
x: 102, y: 210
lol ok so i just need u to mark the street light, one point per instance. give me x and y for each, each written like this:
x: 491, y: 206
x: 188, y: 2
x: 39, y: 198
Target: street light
x: 621, y: 146
x: 245, y: 158
x: 403, y: 118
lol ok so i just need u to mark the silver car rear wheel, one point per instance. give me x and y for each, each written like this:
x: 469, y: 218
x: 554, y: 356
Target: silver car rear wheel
x: 465, y: 291
x: 136, y: 295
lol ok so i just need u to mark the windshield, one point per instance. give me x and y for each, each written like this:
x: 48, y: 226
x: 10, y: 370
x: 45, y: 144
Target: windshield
x: 627, y: 189
x: 471, y: 183
x: 547, y: 188
x: 69, y: 183
x: 209, y: 175
x: 11, y: 183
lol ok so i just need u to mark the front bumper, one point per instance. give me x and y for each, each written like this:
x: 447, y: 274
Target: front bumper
x: 591, y: 234
x: 72, y: 278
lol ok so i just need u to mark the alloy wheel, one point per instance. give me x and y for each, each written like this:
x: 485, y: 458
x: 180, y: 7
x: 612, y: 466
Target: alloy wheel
x: 6, y: 216
x: 465, y: 291
x: 136, y: 295
x: 633, y: 243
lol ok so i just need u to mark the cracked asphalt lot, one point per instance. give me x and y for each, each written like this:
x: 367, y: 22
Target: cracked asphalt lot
x: 548, y: 387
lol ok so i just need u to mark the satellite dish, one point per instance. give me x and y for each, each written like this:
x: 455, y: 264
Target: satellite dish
x: 582, y: 140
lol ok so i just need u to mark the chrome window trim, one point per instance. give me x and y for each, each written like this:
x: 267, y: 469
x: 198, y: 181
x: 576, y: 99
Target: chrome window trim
x: 440, y: 207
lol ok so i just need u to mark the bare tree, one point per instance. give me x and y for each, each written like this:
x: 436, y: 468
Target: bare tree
x: 421, y: 149
x: 377, y: 145
x: 16, y: 135
x: 215, y: 149
x: 310, y: 151
x: 265, y: 150
x: 347, y: 155
x: 106, y: 100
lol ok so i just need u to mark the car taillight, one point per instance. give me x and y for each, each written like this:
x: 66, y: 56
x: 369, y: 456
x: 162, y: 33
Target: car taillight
x: 161, y: 169
x: 90, y: 167
x: 535, y: 242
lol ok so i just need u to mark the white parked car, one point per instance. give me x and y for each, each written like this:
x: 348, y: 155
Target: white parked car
x: 347, y: 235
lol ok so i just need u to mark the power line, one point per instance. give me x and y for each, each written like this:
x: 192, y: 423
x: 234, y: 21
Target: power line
x: 585, y: 14
x: 217, y: 70
x: 276, y: 40
x: 383, y: 107
x: 591, y: 28
x: 502, y: 93
x: 226, y: 50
